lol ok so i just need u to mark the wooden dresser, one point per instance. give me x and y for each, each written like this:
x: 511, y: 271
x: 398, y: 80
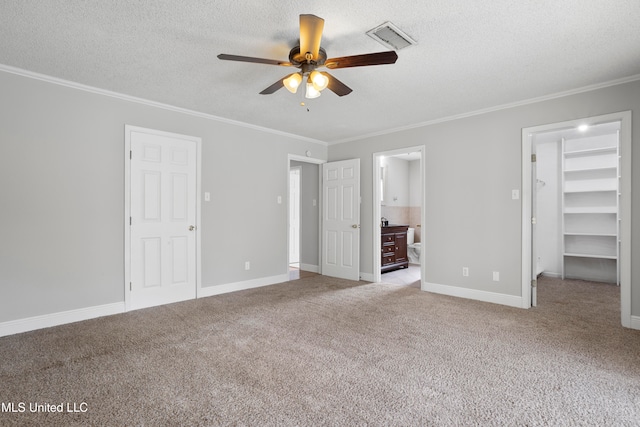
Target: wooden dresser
x: 394, y: 247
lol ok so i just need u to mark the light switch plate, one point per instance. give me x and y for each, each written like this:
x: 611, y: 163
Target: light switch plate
x: 515, y: 194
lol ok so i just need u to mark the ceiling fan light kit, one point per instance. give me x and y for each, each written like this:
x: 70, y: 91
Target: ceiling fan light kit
x: 309, y: 56
x: 292, y: 82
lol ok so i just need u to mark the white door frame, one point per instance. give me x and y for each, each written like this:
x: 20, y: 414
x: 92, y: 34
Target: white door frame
x: 297, y: 209
x: 625, y: 207
x: 303, y: 159
x: 377, y: 275
x: 128, y: 129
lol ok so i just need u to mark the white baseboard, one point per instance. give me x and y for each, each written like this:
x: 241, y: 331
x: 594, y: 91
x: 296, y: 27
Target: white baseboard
x: 474, y: 294
x: 550, y: 274
x: 367, y: 277
x: 635, y: 322
x: 208, y: 291
x: 55, y: 319
x: 310, y: 268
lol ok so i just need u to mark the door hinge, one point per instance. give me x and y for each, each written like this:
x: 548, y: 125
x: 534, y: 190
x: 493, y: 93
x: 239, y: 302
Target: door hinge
x: 534, y: 283
x: 130, y: 221
x: 130, y: 154
x: 129, y: 286
x: 533, y: 220
x: 533, y: 158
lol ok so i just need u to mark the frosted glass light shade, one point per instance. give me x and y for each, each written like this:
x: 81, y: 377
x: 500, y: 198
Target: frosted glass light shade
x: 319, y: 80
x: 292, y: 82
x: 312, y: 92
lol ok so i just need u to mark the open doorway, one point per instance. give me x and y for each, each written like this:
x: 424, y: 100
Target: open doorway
x: 303, y: 217
x: 399, y: 212
x: 576, y: 204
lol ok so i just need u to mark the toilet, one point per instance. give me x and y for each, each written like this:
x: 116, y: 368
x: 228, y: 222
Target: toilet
x: 413, y: 248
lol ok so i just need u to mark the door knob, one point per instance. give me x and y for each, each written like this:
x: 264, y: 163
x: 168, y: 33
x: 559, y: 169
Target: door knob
x: 192, y: 227
x: 355, y: 226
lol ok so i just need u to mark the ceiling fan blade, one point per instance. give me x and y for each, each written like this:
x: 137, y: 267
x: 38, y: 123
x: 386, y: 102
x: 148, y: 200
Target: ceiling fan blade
x: 226, y: 57
x: 311, y: 28
x: 379, y: 58
x: 336, y: 86
x: 274, y: 87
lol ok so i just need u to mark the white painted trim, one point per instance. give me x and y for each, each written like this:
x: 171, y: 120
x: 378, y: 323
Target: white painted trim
x: 376, y: 276
x: 493, y: 109
x: 129, y: 98
x: 625, y: 118
x: 299, y: 209
x: 310, y: 268
x: 635, y: 322
x: 128, y: 129
x: 207, y: 291
x: 79, y: 86
x: 367, y: 277
x: 474, y: 294
x: 61, y: 318
x: 304, y: 159
x: 525, y: 224
x: 550, y: 274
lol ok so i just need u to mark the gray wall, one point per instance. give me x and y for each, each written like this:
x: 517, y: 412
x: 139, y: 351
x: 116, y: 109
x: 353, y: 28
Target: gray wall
x: 62, y: 191
x: 471, y: 165
x: 309, y: 214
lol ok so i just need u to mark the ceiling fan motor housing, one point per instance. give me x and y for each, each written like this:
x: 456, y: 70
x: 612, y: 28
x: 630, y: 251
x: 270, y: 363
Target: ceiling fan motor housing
x: 299, y: 60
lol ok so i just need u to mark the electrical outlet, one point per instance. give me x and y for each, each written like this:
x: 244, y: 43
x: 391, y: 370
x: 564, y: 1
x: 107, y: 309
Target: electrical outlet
x: 465, y: 271
x: 496, y: 276
x: 247, y: 265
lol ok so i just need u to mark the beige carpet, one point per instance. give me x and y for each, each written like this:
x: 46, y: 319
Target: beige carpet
x: 321, y: 351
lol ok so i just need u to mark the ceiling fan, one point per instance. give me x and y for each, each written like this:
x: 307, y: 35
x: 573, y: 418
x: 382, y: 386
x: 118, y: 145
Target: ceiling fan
x: 309, y: 56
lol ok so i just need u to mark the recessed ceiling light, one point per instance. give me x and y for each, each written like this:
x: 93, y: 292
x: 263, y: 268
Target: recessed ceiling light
x: 583, y: 128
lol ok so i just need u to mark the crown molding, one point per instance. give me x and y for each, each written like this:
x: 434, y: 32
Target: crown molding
x: 73, y: 85
x: 493, y: 109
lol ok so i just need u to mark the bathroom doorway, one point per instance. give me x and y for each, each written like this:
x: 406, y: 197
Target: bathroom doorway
x: 303, y: 217
x: 398, y: 207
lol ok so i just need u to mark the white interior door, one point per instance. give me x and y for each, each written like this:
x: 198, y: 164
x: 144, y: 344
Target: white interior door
x: 163, y: 219
x: 341, y: 219
x: 294, y: 215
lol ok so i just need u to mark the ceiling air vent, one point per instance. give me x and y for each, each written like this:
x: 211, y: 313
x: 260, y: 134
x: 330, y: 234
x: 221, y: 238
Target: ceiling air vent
x: 391, y: 36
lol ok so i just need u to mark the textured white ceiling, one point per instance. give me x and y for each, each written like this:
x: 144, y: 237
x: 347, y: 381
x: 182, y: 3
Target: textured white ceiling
x: 470, y: 56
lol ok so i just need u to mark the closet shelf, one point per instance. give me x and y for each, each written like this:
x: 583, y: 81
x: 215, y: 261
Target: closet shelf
x: 579, y: 255
x: 591, y: 209
x: 591, y: 234
x: 590, y: 190
x: 591, y: 169
x: 599, y: 150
